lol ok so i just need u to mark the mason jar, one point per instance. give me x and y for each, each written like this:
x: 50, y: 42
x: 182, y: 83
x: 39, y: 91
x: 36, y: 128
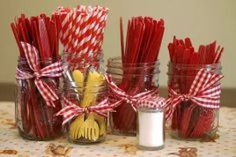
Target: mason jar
x: 133, y: 79
x: 84, y: 85
x: 36, y: 120
x: 89, y: 127
x: 189, y: 120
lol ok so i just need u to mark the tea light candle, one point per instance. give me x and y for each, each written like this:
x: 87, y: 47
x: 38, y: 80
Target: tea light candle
x: 150, y: 129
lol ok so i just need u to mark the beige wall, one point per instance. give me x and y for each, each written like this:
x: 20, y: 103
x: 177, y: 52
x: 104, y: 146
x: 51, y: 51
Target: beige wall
x: 202, y: 20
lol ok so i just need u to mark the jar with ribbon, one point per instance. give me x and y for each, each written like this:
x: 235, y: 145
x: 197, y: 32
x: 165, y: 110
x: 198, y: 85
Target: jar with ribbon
x: 85, y: 101
x: 194, y: 89
x: 194, y: 96
x: 131, y: 84
x: 37, y: 98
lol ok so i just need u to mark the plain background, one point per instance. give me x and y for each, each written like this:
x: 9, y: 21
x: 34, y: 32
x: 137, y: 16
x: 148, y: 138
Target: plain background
x: 202, y: 20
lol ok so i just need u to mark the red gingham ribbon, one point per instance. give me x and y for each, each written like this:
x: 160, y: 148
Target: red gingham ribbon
x: 53, y: 70
x: 72, y: 110
x: 149, y: 99
x: 204, y: 91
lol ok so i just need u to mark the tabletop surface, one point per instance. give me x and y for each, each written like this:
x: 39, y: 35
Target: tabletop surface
x: 115, y: 146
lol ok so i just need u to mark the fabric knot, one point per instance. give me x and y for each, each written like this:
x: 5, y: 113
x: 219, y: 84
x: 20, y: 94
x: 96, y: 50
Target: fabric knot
x: 72, y: 109
x: 186, y: 97
x: 37, y: 74
x: 135, y: 100
x: 86, y: 110
x: 130, y: 99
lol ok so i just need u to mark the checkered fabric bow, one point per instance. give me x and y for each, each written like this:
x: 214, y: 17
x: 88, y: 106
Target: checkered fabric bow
x: 51, y: 71
x: 204, y: 91
x: 149, y: 99
x: 72, y: 110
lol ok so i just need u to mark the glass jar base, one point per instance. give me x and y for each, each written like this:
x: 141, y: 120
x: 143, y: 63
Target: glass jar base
x: 150, y: 148
x: 33, y: 138
x: 83, y: 141
x: 177, y: 136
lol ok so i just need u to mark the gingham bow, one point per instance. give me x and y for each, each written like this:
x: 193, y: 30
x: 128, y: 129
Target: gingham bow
x: 72, y: 110
x: 148, y: 99
x: 204, y: 91
x: 53, y: 70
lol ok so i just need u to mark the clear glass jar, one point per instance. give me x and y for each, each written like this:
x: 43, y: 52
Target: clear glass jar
x: 150, y: 130
x: 189, y: 120
x: 88, y: 127
x: 84, y: 85
x: 133, y: 79
x: 34, y: 118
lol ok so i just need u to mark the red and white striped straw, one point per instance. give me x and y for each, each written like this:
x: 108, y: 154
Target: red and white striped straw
x: 82, y: 31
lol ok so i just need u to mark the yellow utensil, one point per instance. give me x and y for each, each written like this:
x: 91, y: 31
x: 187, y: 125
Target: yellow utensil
x: 81, y: 131
x: 94, y: 81
x: 101, y: 123
x: 75, y: 127
x: 79, y: 78
x: 91, y: 128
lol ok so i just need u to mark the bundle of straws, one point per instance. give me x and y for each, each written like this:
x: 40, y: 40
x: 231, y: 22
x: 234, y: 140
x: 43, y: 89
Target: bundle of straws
x: 189, y: 119
x: 81, y: 31
x: 39, y: 32
x: 143, y: 41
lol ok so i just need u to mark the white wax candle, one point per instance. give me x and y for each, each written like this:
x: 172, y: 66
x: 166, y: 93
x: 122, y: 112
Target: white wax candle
x: 150, y: 128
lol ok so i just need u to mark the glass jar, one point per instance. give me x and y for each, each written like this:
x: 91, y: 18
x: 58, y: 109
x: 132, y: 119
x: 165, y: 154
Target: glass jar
x: 84, y: 85
x: 189, y: 120
x: 34, y: 118
x: 87, y: 127
x: 133, y: 79
x: 150, y: 133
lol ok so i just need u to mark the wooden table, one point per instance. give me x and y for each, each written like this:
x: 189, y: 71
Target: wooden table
x: 116, y: 146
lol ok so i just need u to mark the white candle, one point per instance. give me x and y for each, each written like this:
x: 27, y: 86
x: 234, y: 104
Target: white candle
x: 150, y: 129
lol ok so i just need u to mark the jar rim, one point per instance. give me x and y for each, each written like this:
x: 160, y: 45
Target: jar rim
x: 72, y: 84
x: 23, y: 59
x: 81, y: 90
x: 118, y: 61
x: 151, y: 67
x: 216, y: 65
x: 135, y: 74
